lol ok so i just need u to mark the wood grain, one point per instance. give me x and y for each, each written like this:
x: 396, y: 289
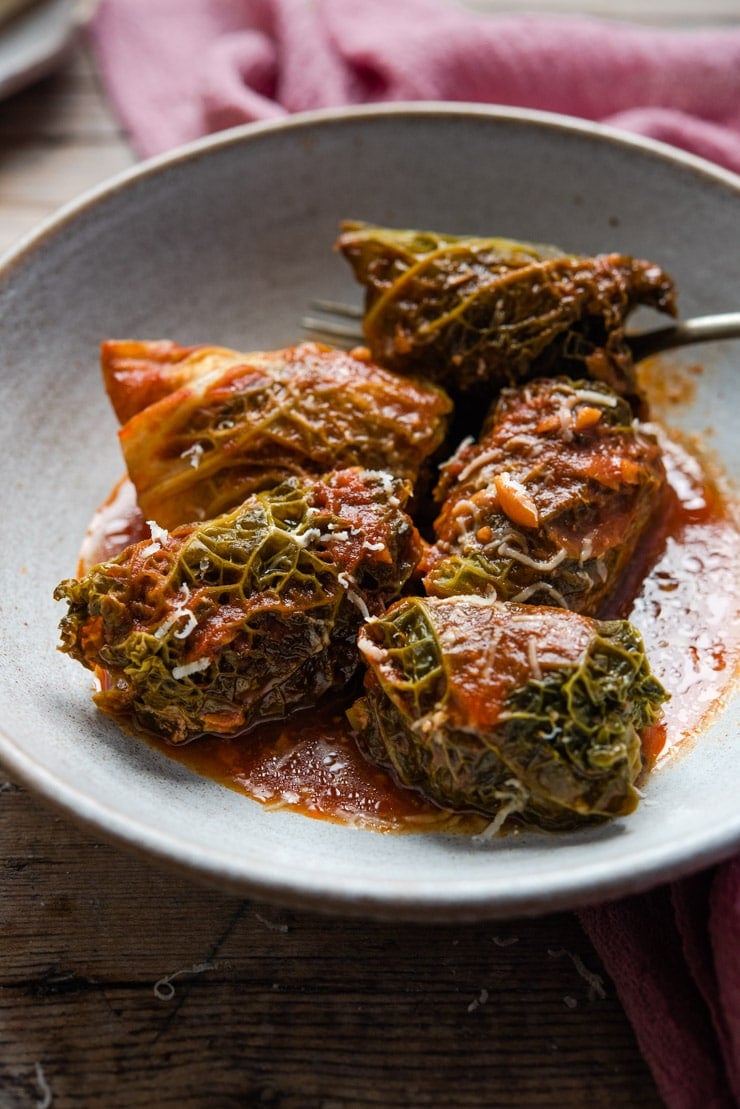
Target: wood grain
x: 123, y: 985
x: 58, y: 139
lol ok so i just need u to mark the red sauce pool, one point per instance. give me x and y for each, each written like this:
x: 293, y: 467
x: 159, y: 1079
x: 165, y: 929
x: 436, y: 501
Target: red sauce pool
x: 682, y: 595
x: 686, y: 605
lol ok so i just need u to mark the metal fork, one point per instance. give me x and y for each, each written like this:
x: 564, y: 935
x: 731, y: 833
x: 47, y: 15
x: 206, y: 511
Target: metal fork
x: 341, y: 323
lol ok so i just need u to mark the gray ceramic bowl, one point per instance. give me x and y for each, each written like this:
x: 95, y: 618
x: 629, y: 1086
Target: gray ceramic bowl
x: 225, y: 242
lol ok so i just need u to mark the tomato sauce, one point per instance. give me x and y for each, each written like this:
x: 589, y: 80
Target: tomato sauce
x: 311, y: 763
x: 681, y: 593
x: 686, y: 606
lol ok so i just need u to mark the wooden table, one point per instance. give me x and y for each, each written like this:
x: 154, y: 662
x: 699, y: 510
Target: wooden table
x: 123, y: 985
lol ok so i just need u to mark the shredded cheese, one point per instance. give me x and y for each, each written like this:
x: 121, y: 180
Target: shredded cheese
x: 189, y: 668
x: 591, y: 396
x: 565, y: 416
x: 520, y: 556
x: 477, y: 463
x: 534, y: 661
x: 165, y: 991
x: 345, y: 579
x: 388, y: 483
x: 193, y: 454
x: 180, y: 610
x: 159, y: 537
x: 47, y: 1096
x: 595, y: 981
x: 307, y: 537
x: 540, y: 586
x: 481, y: 999
x: 514, y: 802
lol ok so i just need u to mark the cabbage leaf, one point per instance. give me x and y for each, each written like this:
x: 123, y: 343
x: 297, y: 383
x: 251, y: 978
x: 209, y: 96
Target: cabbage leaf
x: 478, y: 313
x: 549, y: 504
x: 218, y: 626
x: 517, y: 712
x: 247, y: 424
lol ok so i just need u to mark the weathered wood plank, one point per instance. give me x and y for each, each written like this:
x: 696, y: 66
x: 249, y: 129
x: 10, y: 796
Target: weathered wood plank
x: 57, y: 139
x: 130, y: 986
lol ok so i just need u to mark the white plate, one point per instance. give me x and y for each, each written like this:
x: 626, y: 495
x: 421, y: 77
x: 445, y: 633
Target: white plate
x: 225, y: 242
x: 36, y: 40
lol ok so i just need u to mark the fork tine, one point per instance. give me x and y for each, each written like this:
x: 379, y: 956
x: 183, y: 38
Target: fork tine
x: 339, y: 324
x: 331, y: 329
x: 336, y: 308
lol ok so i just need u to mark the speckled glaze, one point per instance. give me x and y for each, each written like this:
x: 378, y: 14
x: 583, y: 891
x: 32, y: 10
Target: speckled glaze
x: 225, y: 241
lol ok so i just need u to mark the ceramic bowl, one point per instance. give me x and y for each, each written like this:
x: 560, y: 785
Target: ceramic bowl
x: 226, y: 241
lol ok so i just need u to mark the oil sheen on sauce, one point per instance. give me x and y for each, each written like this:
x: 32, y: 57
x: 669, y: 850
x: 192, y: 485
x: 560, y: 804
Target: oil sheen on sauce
x: 681, y: 593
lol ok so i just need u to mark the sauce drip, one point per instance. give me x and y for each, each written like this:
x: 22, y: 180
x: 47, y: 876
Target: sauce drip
x: 681, y: 593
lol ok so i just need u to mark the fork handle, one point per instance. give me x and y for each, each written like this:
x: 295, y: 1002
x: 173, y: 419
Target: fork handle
x: 702, y: 329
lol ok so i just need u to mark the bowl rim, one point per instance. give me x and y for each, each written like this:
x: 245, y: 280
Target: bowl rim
x: 588, y: 884
x: 444, y: 109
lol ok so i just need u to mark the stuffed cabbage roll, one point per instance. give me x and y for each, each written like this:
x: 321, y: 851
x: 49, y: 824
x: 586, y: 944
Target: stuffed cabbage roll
x: 513, y: 711
x: 479, y: 313
x: 138, y: 372
x: 248, y: 425
x: 549, y: 504
x: 218, y: 626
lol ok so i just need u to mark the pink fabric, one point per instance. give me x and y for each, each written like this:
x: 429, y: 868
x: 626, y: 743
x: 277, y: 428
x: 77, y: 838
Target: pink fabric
x: 177, y: 69
x: 674, y: 956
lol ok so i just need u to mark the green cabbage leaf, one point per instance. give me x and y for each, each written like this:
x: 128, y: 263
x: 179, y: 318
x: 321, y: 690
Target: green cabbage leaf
x: 236, y: 425
x: 549, y: 504
x: 218, y: 626
x: 476, y: 314
x: 521, y: 713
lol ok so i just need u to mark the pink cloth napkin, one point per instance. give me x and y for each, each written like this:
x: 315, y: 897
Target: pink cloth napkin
x: 178, y: 69
x: 674, y: 957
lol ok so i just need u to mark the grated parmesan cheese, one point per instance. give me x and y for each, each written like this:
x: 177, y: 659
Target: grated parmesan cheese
x: 540, y: 586
x: 493, y: 455
x: 305, y: 538
x: 159, y: 538
x: 189, y: 668
x: 180, y: 610
x: 345, y: 579
x: 47, y: 1096
x: 534, y: 662
x: 193, y: 454
x: 595, y: 981
x: 165, y: 991
x: 587, y: 549
x: 481, y: 999
x: 372, y: 651
x: 520, y: 556
x: 515, y: 801
x: 565, y: 417
x: 591, y: 396
x: 388, y: 483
